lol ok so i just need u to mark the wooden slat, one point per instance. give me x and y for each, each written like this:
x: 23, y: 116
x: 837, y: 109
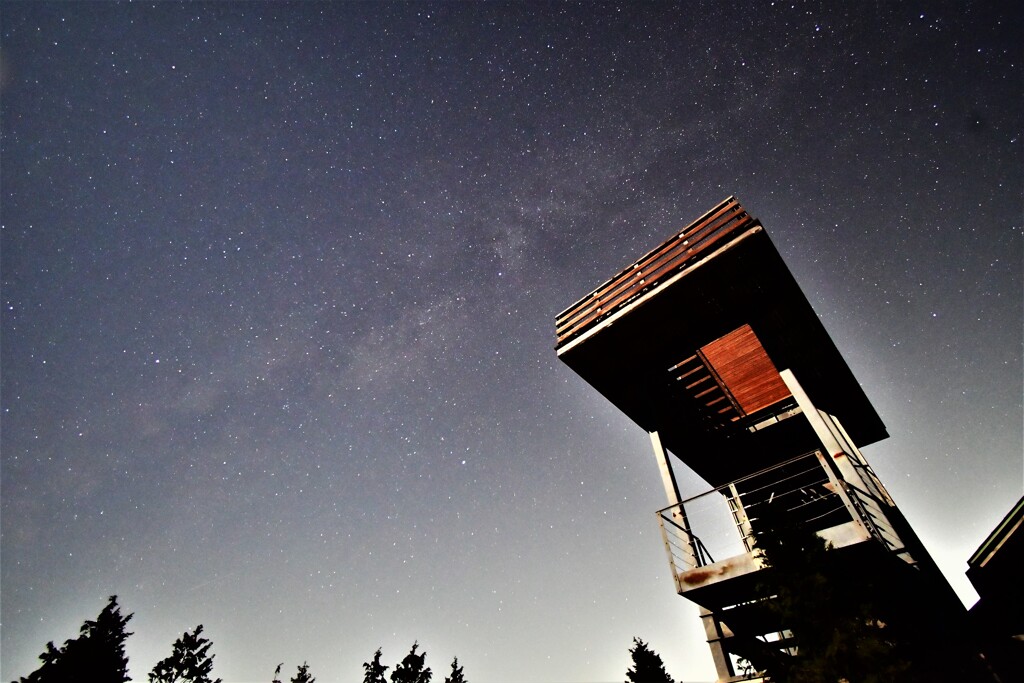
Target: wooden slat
x: 602, y: 290
x: 692, y: 360
x: 687, y: 246
x: 729, y: 206
x: 689, y: 372
x: 745, y: 370
x: 703, y: 379
x: 687, y: 242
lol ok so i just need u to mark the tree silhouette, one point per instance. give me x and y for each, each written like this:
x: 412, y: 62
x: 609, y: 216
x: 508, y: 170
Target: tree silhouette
x: 411, y: 668
x: 842, y: 631
x: 842, y: 624
x: 374, y: 670
x: 303, y: 675
x: 647, y: 665
x: 188, y: 661
x: 456, y: 675
x: 97, y: 655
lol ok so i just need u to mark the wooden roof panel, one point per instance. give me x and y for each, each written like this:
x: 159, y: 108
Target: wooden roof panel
x: 745, y: 371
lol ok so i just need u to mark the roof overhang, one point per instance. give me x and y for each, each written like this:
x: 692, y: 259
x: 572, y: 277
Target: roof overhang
x: 626, y: 355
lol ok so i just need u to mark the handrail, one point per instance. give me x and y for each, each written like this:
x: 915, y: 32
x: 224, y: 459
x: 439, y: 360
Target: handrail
x: 802, y: 486
x: 726, y: 219
x: 882, y: 532
x: 604, y: 285
x: 719, y: 489
x: 684, y: 547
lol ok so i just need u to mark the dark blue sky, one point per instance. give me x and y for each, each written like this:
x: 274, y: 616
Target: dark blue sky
x: 279, y: 284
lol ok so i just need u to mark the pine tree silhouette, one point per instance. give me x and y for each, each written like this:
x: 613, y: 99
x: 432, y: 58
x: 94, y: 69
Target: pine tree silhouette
x: 188, y: 661
x: 374, y: 670
x: 303, y: 675
x: 647, y: 665
x: 456, y: 675
x: 839, y: 628
x: 411, y: 668
x: 97, y: 655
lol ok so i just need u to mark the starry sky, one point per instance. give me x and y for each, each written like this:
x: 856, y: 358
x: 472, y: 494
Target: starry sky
x: 279, y: 285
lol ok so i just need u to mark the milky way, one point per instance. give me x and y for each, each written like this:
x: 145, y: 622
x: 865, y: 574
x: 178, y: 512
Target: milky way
x: 279, y: 287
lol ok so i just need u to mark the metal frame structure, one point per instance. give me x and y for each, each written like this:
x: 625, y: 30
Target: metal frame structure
x: 831, y: 489
x: 709, y: 345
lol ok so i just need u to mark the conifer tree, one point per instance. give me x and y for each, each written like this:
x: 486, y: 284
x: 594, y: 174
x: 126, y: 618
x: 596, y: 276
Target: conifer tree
x: 456, y: 676
x: 411, y: 669
x: 303, y: 675
x: 188, y: 661
x: 97, y: 655
x: 647, y: 665
x: 374, y: 670
x: 846, y: 626
x: 842, y: 634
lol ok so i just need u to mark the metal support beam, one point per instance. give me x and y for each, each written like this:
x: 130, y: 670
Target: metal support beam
x: 843, y: 458
x: 739, y: 517
x: 840, y: 490
x: 668, y: 480
x: 831, y: 439
x: 668, y: 477
x: 877, y: 488
x: 716, y: 636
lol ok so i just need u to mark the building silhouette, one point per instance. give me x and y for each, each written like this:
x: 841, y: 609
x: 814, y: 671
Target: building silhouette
x: 709, y: 345
x: 998, y: 616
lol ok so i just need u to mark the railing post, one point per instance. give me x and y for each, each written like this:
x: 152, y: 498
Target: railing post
x: 739, y: 516
x: 678, y: 515
x: 827, y: 431
x: 842, y: 462
x: 876, y: 487
x: 840, y: 488
x: 671, y: 555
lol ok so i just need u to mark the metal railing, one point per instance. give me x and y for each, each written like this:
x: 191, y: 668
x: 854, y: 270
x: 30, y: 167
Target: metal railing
x: 872, y: 514
x: 719, y: 523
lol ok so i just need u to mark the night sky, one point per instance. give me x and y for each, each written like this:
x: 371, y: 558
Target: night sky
x: 279, y: 285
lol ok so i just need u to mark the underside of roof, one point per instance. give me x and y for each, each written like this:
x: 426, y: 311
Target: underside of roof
x: 715, y: 299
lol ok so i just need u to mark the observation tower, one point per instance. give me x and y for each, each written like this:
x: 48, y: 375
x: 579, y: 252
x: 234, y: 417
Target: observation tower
x: 709, y: 345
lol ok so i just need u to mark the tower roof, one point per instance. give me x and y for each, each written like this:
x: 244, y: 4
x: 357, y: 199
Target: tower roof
x: 718, y: 296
